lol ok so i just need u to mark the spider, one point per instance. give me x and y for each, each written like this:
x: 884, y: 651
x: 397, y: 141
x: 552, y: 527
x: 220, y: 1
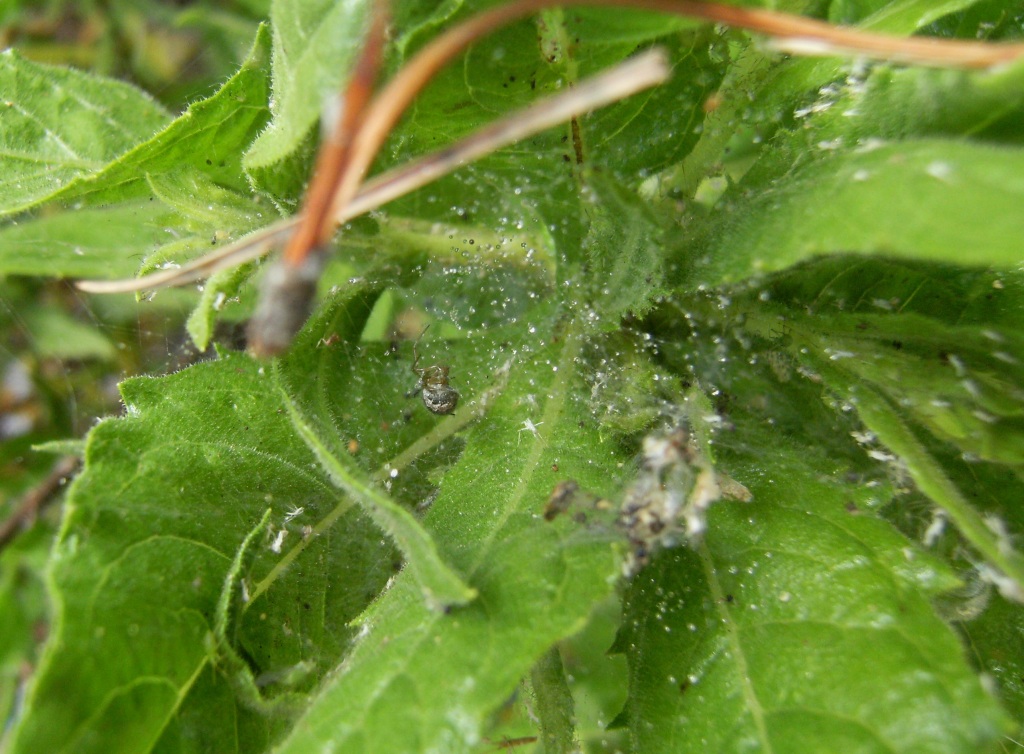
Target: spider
x: 438, y: 396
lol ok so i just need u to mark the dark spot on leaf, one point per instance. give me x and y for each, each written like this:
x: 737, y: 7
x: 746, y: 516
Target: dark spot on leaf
x: 898, y: 345
x: 684, y: 686
x: 729, y: 598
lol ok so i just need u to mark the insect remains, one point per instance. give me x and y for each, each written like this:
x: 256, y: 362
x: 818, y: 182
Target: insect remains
x: 438, y: 396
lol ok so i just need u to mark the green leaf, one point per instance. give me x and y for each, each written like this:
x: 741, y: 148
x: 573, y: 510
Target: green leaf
x: 541, y: 194
x: 168, y: 496
x: 90, y: 242
x: 794, y: 78
x: 190, y: 165
x: 900, y: 102
x: 938, y: 341
x: 996, y: 642
x: 436, y: 678
x: 217, y: 590
x: 903, y: 17
x: 204, y: 136
x: 441, y: 586
x: 314, y: 46
x: 60, y: 125
x: 57, y: 335
x: 924, y: 199
x: 626, y: 243
x: 966, y: 385
x: 791, y: 620
x: 25, y: 610
x: 206, y: 215
x: 882, y: 419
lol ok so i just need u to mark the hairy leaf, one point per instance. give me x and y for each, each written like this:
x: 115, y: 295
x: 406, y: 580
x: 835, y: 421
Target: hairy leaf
x: 169, y: 494
x: 107, y: 241
x: 437, y: 677
x: 806, y: 577
x: 753, y: 248
x: 923, y: 199
x: 59, y: 125
x: 315, y: 44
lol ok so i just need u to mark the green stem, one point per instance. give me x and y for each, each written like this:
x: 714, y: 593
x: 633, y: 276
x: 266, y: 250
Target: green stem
x: 554, y: 704
x: 742, y: 80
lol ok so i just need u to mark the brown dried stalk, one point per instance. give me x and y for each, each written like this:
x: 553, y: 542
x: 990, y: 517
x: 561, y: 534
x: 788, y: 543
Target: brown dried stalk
x: 636, y: 74
x: 26, y: 511
x: 334, y: 154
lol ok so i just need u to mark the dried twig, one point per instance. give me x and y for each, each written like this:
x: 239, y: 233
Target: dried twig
x: 34, y: 500
x: 334, y: 154
x: 636, y: 74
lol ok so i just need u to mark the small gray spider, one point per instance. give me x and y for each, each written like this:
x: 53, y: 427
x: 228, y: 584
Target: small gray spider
x: 438, y: 396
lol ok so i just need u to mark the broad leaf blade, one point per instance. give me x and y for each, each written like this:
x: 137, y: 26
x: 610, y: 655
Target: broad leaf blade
x: 925, y: 199
x: 799, y: 626
x: 107, y: 241
x: 59, y: 125
x: 437, y: 678
x: 626, y: 246
x: 940, y: 342
x: 440, y: 585
x: 93, y: 242
x: 168, y: 495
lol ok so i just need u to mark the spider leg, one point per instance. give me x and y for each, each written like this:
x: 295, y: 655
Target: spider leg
x: 416, y: 354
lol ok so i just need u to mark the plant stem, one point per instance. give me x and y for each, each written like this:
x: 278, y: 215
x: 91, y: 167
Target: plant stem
x: 743, y: 77
x: 554, y: 704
